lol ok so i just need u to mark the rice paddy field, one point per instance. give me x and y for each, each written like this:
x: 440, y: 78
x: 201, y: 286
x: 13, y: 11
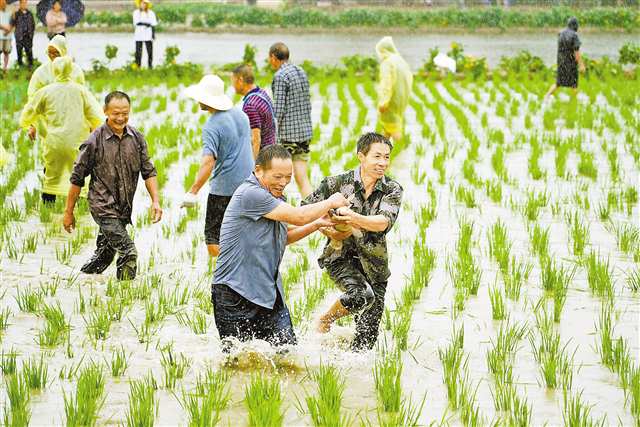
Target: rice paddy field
x: 513, y: 298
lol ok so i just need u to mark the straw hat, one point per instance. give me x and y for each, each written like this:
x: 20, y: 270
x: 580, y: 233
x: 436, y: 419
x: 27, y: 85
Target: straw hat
x: 210, y: 92
x: 139, y: 2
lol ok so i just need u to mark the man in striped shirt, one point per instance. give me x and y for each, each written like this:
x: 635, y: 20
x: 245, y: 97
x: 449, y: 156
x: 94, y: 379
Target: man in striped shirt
x: 257, y: 105
x: 292, y: 108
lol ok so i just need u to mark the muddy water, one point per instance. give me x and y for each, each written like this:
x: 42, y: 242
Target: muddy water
x: 329, y: 48
x: 431, y: 323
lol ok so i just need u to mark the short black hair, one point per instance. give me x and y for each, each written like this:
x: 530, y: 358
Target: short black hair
x: 116, y: 94
x: 245, y: 72
x: 57, y: 1
x: 365, y: 141
x: 270, y: 152
x: 280, y: 51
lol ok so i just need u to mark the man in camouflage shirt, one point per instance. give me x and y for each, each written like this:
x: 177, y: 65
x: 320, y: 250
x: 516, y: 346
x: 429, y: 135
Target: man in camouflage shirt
x: 360, y: 266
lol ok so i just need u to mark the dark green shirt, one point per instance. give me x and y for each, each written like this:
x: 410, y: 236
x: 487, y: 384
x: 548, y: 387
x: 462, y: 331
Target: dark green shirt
x: 369, y: 247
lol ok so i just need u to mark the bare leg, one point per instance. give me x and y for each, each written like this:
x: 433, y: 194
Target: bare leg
x: 300, y: 173
x: 335, y: 312
x: 214, y: 250
x: 552, y: 89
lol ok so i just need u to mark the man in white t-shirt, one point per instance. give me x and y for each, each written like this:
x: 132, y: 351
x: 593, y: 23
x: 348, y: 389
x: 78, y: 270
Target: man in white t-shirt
x: 5, y: 34
x: 144, y: 21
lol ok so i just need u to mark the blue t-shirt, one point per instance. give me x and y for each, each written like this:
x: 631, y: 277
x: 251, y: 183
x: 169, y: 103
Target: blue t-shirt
x: 251, y: 246
x: 227, y: 137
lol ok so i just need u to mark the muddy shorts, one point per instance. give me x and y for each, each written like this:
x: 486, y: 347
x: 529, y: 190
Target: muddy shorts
x: 216, y: 206
x: 5, y: 46
x: 113, y: 238
x: 298, y: 150
x: 361, y: 297
x: 237, y: 317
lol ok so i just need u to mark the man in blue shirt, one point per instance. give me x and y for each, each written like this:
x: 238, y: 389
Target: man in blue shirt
x: 247, y: 293
x: 227, y: 152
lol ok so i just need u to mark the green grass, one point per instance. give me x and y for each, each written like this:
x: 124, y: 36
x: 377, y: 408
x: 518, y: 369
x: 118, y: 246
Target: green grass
x: 174, y: 366
x: 325, y: 409
x: 387, y: 373
x: 143, y: 403
x: 211, y: 396
x: 18, y: 412
x: 36, y: 373
x: 498, y: 308
x: 82, y: 409
x: 119, y: 362
x: 599, y: 276
x: 578, y: 233
x: 263, y: 400
x: 56, y: 326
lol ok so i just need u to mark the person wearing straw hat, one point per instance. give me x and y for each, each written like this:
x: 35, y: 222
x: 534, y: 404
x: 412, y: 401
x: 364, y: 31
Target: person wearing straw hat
x: 144, y: 21
x: 227, y: 152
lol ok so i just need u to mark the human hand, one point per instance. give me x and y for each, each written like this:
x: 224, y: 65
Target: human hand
x: 156, y: 212
x: 338, y: 200
x: 68, y: 221
x: 189, y: 200
x: 323, y: 222
x: 32, y: 133
x: 582, y: 68
x: 334, y: 234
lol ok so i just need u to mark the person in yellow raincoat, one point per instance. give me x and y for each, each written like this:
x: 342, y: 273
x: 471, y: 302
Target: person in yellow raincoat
x: 67, y: 111
x: 43, y: 75
x: 394, y: 88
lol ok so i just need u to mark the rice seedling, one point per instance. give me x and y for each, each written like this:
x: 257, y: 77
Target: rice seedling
x: 263, y: 399
x: 401, y: 324
x: 466, y: 196
x: 119, y: 362
x: 633, y: 376
x: 518, y: 273
x: 498, y: 309
x: 145, y: 332
x: 35, y: 373
x: 56, y: 327
x: 577, y: 414
x: 209, y: 398
x: 99, y: 323
x: 29, y: 300
x: 30, y: 243
x: 586, y: 166
x: 599, y: 276
x: 5, y: 313
x: 555, y: 277
x: 539, y: 238
x: 8, y: 362
x: 452, y: 364
x: 499, y: 245
x: 408, y: 415
x: 82, y: 409
x: 387, y: 372
x: 633, y: 281
x: 493, y: 189
x: 606, y: 343
x: 533, y: 204
x: 197, y: 321
x: 143, y: 405
x: 18, y: 413
x: 174, y: 367
x: 70, y: 372
x: 627, y: 236
x: 578, y: 233
x: 325, y: 408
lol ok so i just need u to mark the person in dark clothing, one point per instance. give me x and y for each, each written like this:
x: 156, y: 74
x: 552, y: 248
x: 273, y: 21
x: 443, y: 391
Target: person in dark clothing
x: 24, y: 25
x: 115, y: 155
x: 569, y: 58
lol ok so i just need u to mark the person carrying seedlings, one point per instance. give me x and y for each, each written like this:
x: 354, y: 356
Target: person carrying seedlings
x: 144, y: 21
x: 257, y: 105
x: 66, y: 112
x: 227, y: 152
x: 394, y: 89
x: 24, y: 25
x: 292, y: 110
x: 569, y: 58
x: 114, y: 155
x: 360, y: 268
x: 246, y: 292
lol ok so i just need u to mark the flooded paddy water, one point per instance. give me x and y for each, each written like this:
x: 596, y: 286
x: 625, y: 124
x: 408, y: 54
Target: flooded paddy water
x: 557, y: 181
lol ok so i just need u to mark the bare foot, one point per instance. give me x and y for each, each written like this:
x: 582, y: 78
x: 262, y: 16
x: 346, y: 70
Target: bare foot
x: 323, y: 326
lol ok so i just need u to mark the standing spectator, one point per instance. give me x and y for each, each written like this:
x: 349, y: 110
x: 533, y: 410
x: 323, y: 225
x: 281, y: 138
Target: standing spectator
x: 226, y: 138
x: 394, y: 88
x: 66, y: 112
x: 257, y: 105
x: 569, y: 58
x: 24, y: 25
x: 292, y: 108
x: 56, y: 20
x: 5, y: 34
x: 144, y: 21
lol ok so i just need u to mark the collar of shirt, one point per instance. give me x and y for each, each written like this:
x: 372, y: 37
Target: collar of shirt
x: 108, y: 132
x: 255, y: 89
x: 381, y: 184
x: 254, y: 180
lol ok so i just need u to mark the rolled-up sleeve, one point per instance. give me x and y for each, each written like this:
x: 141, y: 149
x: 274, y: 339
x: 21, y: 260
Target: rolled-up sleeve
x: 390, y: 205
x: 84, y: 162
x: 147, y: 169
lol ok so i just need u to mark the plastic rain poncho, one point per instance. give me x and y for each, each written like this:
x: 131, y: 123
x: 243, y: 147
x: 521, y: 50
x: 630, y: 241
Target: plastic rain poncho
x: 394, y: 88
x: 43, y: 75
x: 67, y: 110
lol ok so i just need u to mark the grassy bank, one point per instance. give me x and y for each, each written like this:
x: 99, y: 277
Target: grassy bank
x: 233, y: 17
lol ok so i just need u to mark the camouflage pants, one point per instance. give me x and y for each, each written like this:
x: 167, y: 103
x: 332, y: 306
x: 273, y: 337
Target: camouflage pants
x: 362, y: 298
x: 112, y: 238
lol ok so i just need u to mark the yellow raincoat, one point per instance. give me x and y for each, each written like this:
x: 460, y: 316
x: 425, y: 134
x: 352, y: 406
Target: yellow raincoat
x: 66, y: 110
x: 43, y: 75
x: 4, y: 157
x: 394, y: 88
